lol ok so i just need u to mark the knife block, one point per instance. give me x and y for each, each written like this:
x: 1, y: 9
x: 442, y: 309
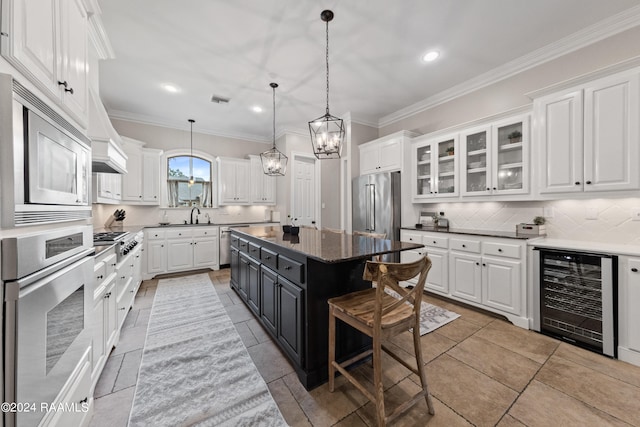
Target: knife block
x: 112, y: 223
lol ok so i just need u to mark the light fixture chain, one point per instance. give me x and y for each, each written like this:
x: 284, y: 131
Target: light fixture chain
x: 327, y: 59
x: 274, y: 117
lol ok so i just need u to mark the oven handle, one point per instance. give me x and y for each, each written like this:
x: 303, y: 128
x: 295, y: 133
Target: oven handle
x: 28, y: 280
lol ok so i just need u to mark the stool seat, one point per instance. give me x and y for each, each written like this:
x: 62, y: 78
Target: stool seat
x: 361, y: 307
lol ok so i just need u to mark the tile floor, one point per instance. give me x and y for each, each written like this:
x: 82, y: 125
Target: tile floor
x: 481, y: 370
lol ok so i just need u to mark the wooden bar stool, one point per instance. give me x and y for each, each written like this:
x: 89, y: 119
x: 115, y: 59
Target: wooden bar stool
x: 382, y: 316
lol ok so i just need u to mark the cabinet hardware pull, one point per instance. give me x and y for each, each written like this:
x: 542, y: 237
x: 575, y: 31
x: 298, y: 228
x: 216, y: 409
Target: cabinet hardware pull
x: 131, y: 291
x: 635, y: 270
x: 267, y: 257
x: 484, y: 265
x: 488, y: 189
x: 577, y: 182
x: 494, y: 188
x: 477, y: 263
x: 70, y: 90
x: 588, y: 182
x: 4, y: 34
x: 64, y: 83
x: 434, y: 242
x: 499, y: 250
x: 288, y: 267
x: 83, y: 400
x: 122, y: 308
x: 464, y: 246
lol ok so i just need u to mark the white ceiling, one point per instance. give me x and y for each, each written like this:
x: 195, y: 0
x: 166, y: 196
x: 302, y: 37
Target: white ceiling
x: 236, y: 48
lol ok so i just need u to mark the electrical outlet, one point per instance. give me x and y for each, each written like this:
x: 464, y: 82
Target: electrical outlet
x: 591, y: 213
x: 635, y: 214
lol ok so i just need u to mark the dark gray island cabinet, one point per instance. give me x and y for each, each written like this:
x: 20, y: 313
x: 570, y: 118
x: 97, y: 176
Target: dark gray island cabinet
x: 286, y: 281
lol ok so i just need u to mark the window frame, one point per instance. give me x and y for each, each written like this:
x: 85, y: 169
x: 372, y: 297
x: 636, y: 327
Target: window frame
x: 164, y: 197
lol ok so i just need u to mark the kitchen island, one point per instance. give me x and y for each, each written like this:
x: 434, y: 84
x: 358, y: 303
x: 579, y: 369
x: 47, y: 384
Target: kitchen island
x: 286, y: 281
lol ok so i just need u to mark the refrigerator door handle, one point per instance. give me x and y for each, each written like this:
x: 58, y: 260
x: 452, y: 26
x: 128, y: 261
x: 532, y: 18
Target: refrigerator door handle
x: 367, y: 208
x: 372, y: 207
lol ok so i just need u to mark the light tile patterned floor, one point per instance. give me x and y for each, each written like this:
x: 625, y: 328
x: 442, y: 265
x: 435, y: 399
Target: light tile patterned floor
x: 482, y: 371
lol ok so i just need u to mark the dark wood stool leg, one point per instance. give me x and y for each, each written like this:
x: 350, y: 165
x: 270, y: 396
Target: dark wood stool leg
x: 421, y: 368
x: 332, y: 348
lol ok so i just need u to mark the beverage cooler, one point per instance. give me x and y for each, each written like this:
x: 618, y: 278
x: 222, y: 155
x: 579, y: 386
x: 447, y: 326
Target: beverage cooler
x: 575, y: 298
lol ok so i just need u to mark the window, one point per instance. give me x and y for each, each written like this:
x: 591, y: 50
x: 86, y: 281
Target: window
x: 180, y: 192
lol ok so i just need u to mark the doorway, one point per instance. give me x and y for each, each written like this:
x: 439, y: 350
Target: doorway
x: 305, y: 184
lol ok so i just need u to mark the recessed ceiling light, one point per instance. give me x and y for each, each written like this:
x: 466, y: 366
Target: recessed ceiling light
x: 170, y: 88
x: 431, y: 56
x: 257, y: 109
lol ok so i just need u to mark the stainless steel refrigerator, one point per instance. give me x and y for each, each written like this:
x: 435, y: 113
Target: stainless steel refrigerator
x: 376, y: 205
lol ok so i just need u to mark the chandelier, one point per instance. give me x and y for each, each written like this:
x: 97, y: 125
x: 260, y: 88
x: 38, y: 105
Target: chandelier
x: 327, y: 132
x: 274, y: 162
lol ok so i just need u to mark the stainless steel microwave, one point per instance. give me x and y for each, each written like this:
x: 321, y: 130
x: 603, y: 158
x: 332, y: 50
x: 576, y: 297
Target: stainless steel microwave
x: 45, y: 161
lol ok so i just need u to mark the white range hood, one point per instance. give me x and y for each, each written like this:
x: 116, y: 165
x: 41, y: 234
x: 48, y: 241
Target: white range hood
x: 106, y: 152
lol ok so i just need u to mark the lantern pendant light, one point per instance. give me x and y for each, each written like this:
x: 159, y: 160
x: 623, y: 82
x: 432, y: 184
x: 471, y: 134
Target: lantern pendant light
x: 327, y: 132
x: 191, y: 180
x: 274, y: 162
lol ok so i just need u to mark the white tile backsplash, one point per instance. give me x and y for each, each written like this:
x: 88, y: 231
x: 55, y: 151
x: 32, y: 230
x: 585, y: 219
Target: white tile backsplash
x: 613, y: 223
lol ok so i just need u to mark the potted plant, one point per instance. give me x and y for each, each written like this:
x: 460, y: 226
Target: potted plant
x: 539, y: 220
x: 450, y: 151
x: 294, y: 228
x: 515, y: 136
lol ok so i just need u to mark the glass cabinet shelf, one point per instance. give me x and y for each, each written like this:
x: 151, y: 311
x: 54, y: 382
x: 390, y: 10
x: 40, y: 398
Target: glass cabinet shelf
x: 511, y: 166
x: 513, y: 146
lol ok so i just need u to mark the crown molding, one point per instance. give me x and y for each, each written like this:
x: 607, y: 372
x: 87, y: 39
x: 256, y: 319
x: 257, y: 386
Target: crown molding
x: 585, y: 37
x: 146, y: 120
x: 359, y: 119
x: 99, y: 38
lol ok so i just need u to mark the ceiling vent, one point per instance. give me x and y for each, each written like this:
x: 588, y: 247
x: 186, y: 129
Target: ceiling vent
x: 219, y: 99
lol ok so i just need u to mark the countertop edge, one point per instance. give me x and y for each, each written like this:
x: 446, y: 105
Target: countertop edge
x: 483, y: 233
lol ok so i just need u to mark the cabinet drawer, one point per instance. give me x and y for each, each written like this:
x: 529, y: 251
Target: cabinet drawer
x: 501, y: 249
x: 205, y: 232
x: 235, y: 241
x: 254, y: 250
x: 292, y: 270
x: 243, y: 245
x: 179, y: 233
x: 100, y: 272
x: 110, y: 264
x: 269, y: 258
x: 156, y: 234
x: 436, y: 241
x: 465, y: 245
x: 410, y: 237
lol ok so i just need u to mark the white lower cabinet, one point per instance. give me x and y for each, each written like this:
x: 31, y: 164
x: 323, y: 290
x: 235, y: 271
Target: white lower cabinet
x: 173, y: 249
x: 487, y: 272
x: 628, y: 309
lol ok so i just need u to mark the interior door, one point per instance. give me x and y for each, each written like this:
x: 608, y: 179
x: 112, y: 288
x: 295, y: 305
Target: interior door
x: 304, y: 191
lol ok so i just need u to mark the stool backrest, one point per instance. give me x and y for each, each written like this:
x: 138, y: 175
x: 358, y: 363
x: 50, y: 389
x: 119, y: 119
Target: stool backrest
x: 388, y: 275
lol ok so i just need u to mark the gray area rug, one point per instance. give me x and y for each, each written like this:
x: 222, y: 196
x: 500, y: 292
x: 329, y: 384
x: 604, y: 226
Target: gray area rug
x: 431, y: 316
x: 195, y: 370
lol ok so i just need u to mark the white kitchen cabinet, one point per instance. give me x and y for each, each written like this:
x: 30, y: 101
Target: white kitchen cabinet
x: 233, y: 181
x: 494, y: 158
x: 588, y: 136
x: 628, y: 309
x: 173, y: 249
x: 436, y: 249
x: 107, y: 188
x: 48, y: 42
x: 104, y: 328
x: 140, y: 185
x: 263, y: 187
x: 502, y: 284
x: 435, y: 168
x: 386, y: 154
x: 466, y: 276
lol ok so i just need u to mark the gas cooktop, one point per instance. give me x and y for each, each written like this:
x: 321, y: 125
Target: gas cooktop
x: 108, y: 237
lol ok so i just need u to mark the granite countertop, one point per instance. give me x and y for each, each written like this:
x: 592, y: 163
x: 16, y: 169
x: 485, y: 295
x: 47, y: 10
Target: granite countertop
x: 488, y: 233
x: 327, y: 246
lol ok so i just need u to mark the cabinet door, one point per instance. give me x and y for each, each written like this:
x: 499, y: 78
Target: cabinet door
x: 390, y: 157
x: 242, y: 181
x: 369, y: 159
x: 132, y: 181
x: 465, y: 276
x: 179, y: 254
x: 510, y: 156
x: 501, y: 284
x: 151, y: 176
x: 446, y: 165
x: 475, y: 165
x: 227, y: 182
x: 611, y: 131
x: 268, y: 298
x: 422, y: 169
x: 268, y: 190
x: 559, y: 139
x: 630, y: 307
x: 32, y: 45
x: 235, y: 267
x: 290, y: 319
x: 156, y: 256
x: 243, y: 281
x: 111, y: 316
x: 98, y: 330
x: 253, y: 286
x: 438, y: 277
x: 205, y: 252
x: 74, y: 61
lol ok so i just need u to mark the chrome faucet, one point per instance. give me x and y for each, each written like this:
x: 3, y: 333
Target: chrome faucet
x: 193, y: 209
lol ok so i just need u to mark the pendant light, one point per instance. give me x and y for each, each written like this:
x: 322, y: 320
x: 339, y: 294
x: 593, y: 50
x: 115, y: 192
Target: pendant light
x: 274, y: 162
x: 327, y: 132
x: 191, y: 180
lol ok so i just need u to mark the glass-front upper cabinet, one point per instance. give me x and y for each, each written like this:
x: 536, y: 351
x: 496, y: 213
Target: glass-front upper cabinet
x: 435, y: 168
x: 495, y: 158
